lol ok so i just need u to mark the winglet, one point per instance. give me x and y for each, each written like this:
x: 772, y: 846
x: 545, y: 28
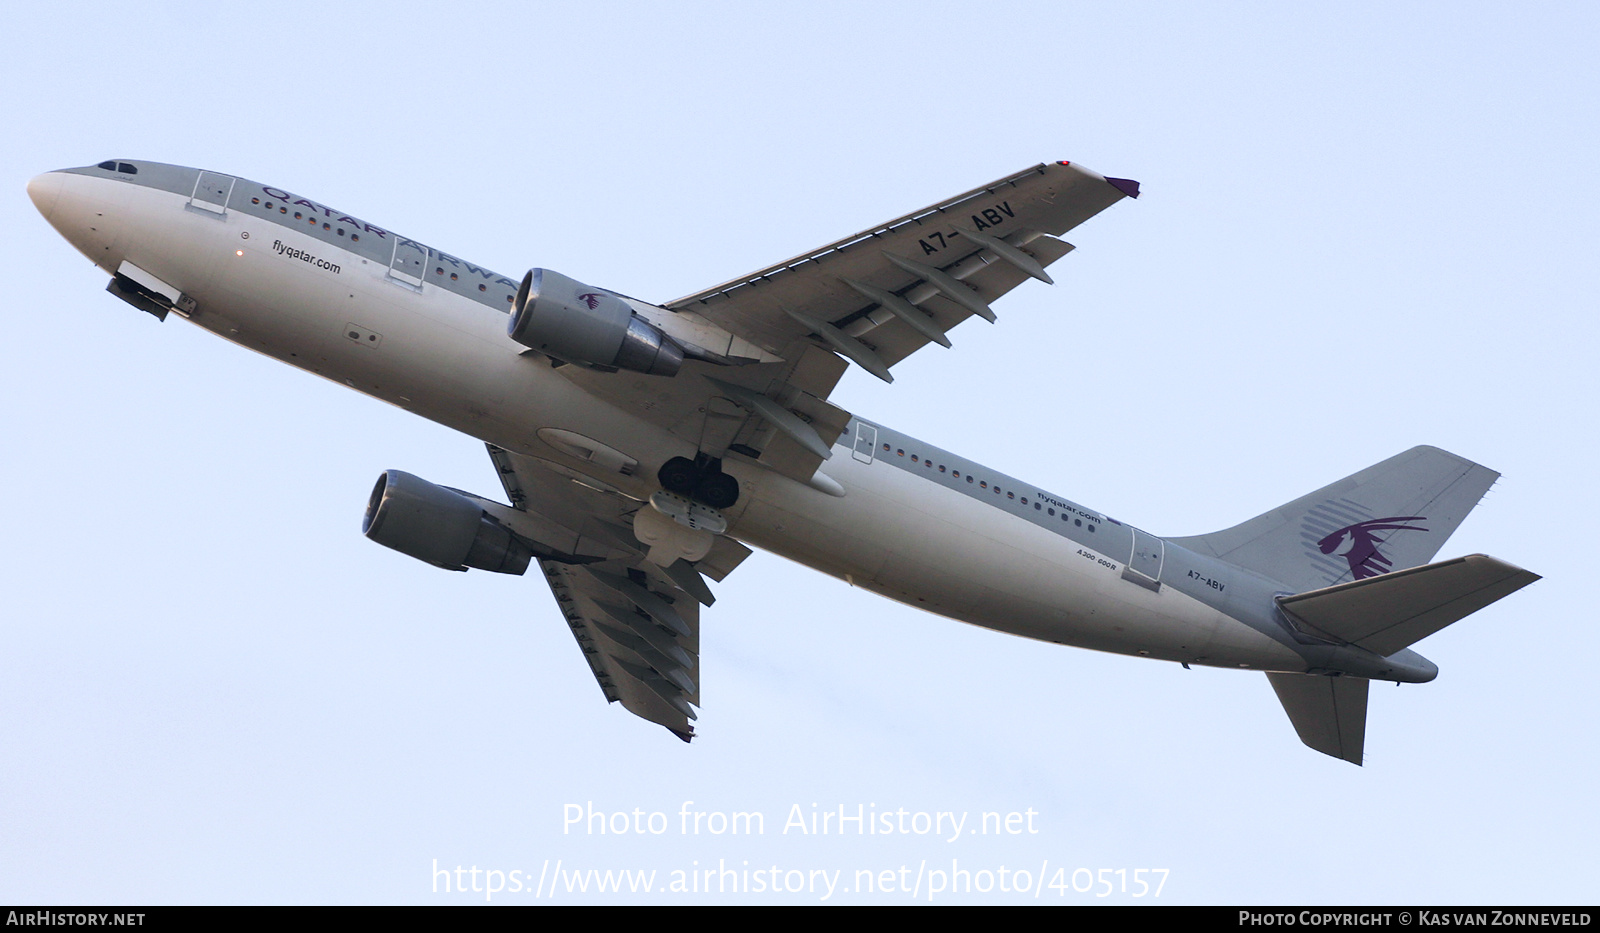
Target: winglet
x: 1127, y: 186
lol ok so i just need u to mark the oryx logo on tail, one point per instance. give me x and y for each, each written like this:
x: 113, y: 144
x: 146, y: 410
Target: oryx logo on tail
x: 1358, y: 543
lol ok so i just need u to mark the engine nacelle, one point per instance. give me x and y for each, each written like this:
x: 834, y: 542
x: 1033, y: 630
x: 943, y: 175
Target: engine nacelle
x: 440, y: 526
x: 578, y: 324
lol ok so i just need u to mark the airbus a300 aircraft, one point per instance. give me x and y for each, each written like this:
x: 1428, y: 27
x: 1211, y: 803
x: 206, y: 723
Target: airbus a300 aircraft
x: 642, y: 447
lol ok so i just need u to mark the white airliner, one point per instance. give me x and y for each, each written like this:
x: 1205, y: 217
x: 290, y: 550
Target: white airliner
x: 643, y: 446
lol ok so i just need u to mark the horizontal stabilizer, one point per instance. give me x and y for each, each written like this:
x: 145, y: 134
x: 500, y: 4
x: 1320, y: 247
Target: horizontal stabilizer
x: 1386, y: 613
x: 1329, y: 713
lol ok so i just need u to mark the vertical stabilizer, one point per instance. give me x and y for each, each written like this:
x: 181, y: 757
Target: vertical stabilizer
x: 1390, y: 516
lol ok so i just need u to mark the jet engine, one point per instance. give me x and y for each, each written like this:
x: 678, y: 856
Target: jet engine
x: 440, y: 526
x: 572, y: 322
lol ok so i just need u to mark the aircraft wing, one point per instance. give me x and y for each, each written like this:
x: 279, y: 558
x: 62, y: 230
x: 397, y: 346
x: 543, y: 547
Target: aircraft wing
x: 637, y: 624
x: 884, y: 293
x: 873, y: 299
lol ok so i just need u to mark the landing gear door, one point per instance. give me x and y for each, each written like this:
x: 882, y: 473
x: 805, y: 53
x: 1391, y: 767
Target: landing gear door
x: 409, y: 262
x: 1144, y: 564
x: 866, y: 442
x: 211, y: 193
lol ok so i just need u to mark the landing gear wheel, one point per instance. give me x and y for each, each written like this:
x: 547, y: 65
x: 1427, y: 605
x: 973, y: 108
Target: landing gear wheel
x: 679, y: 475
x: 718, y: 490
x: 701, y: 480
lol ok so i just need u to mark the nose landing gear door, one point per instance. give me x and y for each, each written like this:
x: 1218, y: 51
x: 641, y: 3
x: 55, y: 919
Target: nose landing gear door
x: 211, y: 193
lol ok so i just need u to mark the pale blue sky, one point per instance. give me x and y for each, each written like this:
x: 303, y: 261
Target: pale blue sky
x: 1363, y: 228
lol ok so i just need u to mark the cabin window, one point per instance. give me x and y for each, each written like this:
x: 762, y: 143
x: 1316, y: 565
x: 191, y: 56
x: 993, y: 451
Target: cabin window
x: 900, y: 452
x: 969, y: 477
x: 1091, y: 528
x: 438, y: 270
x: 984, y: 484
x: 1009, y: 495
x: 941, y: 468
x: 483, y: 288
x: 354, y: 237
x: 453, y: 277
x: 327, y: 226
x: 1052, y: 513
x: 913, y: 458
x: 1076, y: 521
x: 281, y: 210
x: 340, y: 231
x: 885, y: 446
x: 297, y: 215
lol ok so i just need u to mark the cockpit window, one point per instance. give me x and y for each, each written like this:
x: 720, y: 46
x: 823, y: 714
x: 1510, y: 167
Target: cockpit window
x: 128, y: 168
x: 108, y: 166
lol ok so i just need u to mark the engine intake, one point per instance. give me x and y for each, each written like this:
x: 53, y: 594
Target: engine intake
x: 570, y: 321
x: 440, y: 526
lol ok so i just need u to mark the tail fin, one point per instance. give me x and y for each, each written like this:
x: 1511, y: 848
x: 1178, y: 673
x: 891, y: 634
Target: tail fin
x: 1390, y: 516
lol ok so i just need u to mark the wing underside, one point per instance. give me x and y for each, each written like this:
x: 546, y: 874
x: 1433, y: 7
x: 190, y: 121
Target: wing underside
x: 871, y: 299
x: 637, y: 624
x: 883, y: 293
x: 650, y: 663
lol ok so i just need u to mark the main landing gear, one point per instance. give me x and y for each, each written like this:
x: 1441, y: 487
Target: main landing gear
x: 700, y: 479
x: 685, y: 517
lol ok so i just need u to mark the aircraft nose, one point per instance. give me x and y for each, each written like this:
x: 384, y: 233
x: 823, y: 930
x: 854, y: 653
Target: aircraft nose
x: 43, y: 190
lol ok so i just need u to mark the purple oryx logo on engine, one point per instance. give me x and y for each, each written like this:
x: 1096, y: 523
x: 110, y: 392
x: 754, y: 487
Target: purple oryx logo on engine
x: 1358, y: 543
x: 592, y: 299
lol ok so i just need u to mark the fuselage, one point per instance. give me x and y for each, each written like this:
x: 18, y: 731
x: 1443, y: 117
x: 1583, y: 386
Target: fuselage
x: 424, y: 330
